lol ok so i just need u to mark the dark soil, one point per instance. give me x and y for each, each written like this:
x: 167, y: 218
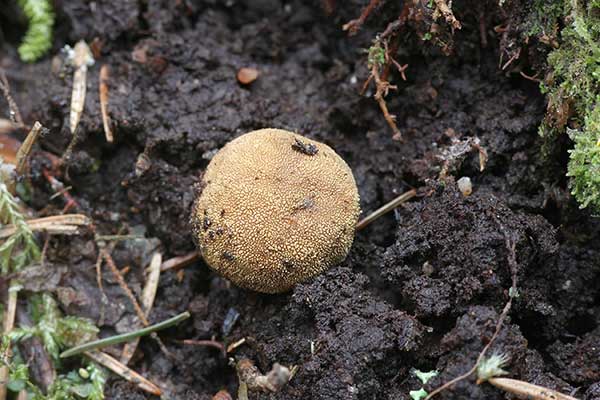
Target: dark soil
x: 422, y: 287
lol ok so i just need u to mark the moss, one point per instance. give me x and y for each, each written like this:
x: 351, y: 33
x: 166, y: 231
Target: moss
x: 543, y: 16
x: 38, y: 39
x: 584, y: 164
x: 573, y: 90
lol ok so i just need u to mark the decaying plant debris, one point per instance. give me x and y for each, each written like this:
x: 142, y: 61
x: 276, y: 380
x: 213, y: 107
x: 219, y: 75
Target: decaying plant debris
x: 423, y: 288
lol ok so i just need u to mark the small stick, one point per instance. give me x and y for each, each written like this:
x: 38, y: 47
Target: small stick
x: 528, y: 390
x: 25, y: 148
x: 353, y: 26
x: 124, y: 337
x: 385, y: 209
x: 210, y: 343
x: 59, y: 187
x: 124, y: 371
x: 382, y: 89
x: 104, y: 77
x: 15, y: 114
x: 180, y: 261
x: 104, y: 297
x: 66, y: 224
x: 117, y: 238
x: 115, y: 271
x: 9, y: 322
x: 235, y: 345
x: 148, y: 296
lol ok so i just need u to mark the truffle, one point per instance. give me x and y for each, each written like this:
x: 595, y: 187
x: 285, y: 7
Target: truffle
x: 276, y: 209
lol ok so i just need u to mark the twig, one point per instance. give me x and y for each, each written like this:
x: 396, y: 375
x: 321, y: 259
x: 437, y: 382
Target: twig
x: 67, y: 224
x: 180, y: 261
x: 385, y: 209
x: 124, y: 337
x: 209, y: 343
x: 116, y: 238
x: 148, y: 295
x: 115, y: 271
x: 235, y: 345
x: 104, y: 77
x: 353, y: 26
x: 25, y: 148
x: 15, y: 114
x: 528, y: 390
x: 9, y: 321
x: 382, y: 90
x: 59, y: 187
x: 124, y: 371
x: 512, y: 263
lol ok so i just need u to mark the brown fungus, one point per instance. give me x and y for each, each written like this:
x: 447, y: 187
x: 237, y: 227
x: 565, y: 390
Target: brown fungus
x: 286, y: 215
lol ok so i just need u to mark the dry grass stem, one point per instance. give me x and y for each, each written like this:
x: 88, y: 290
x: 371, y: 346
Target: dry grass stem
x: 180, y: 261
x: 528, y: 390
x: 104, y: 78
x: 67, y: 224
x: 25, y: 148
x: 385, y: 209
x: 148, y: 296
x: 124, y: 372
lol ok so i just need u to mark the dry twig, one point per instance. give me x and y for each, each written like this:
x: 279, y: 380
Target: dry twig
x: 104, y: 78
x: 209, y: 343
x: 180, y: 261
x: 385, y: 209
x: 353, y: 26
x: 67, y: 224
x: 124, y: 372
x: 8, y: 325
x: 528, y: 390
x: 25, y: 148
x: 15, y: 114
x: 148, y: 296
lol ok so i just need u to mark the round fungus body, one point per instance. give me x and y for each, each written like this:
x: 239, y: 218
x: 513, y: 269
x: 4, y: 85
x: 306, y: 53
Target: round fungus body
x: 276, y: 209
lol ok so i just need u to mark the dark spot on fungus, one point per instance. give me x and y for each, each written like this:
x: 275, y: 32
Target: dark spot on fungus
x: 219, y: 231
x: 228, y: 256
x: 304, y: 148
x: 206, y: 222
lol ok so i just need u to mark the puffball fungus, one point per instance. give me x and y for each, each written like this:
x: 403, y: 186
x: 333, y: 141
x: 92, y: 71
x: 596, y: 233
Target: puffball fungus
x: 276, y: 209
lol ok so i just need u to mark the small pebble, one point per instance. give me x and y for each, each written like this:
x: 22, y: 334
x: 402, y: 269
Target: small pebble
x: 247, y: 75
x: 465, y: 186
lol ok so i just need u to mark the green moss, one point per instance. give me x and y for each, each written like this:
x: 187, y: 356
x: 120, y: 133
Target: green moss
x: 584, y: 163
x: 573, y: 90
x: 38, y: 39
x: 543, y: 16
